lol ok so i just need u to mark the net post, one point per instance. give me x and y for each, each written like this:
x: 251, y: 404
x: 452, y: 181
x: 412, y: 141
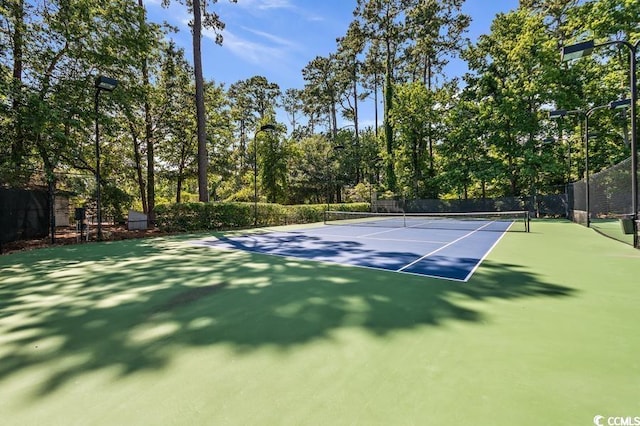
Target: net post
x: 527, y: 221
x: 325, y: 216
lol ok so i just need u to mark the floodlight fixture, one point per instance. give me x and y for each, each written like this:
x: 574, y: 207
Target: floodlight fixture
x: 577, y: 51
x: 106, y: 83
x: 557, y: 113
x: 620, y: 104
x: 266, y: 127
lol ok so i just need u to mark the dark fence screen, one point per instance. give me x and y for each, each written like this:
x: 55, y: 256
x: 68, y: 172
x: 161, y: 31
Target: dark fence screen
x: 610, y: 202
x: 24, y: 214
x: 552, y: 205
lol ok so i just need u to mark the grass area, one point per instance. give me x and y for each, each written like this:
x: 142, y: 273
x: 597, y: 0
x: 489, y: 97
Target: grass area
x: 159, y: 332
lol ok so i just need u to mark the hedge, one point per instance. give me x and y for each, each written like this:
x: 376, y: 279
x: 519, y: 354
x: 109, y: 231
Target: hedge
x: 236, y: 215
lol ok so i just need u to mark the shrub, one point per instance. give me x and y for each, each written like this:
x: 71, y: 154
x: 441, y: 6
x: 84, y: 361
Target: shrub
x: 233, y: 215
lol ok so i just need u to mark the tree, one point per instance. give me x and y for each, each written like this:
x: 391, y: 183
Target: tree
x: 17, y: 25
x: 223, y: 167
x: 372, y: 72
x: 383, y: 21
x: 262, y: 96
x: 322, y: 90
x: 272, y: 164
x: 148, y: 125
x: 465, y: 160
x: 242, y: 115
x: 177, y: 127
x: 411, y: 123
x: 437, y: 28
x: 512, y: 85
x: 307, y: 165
x: 251, y: 101
x: 55, y: 54
x: 349, y: 47
x: 211, y: 20
x: 293, y: 105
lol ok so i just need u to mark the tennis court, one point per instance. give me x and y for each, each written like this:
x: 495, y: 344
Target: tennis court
x: 447, y: 246
x: 160, y: 332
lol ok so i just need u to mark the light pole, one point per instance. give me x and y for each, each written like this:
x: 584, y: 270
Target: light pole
x: 585, y: 48
x: 623, y: 103
x: 107, y: 84
x: 262, y: 128
x: 561, y: 113
x: 614, y: 105
x: 587, y: 136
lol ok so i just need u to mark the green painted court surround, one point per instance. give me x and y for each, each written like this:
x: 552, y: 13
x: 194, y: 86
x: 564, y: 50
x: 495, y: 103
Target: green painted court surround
x: 159, y: 332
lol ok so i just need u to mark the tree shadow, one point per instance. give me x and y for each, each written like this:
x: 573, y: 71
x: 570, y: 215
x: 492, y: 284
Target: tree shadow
x: 130, y: 305
x: 379, y: 254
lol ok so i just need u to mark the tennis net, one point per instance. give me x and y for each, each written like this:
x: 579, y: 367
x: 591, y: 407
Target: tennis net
x: 472, y: 221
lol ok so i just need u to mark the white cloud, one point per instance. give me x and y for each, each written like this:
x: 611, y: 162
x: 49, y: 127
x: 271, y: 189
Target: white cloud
x: 273, y: 38
x: 250, y: 51
x: 266, y: 4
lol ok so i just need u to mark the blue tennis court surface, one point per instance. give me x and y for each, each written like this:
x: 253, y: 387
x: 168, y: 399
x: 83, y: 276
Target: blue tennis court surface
x: 451, y: 254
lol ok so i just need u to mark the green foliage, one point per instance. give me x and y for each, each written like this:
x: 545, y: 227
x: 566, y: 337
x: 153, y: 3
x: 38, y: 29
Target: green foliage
x: 272, y: 165
x: 203, y: 216
x: 361, y: 193
x: 309, y: 171
x: 411, y: 119
x: 116, y: 203
x: 232, y: 215
x: 437, y: 140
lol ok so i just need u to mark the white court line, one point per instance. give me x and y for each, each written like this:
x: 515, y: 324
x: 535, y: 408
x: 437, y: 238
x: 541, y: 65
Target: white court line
x: 381, y: 232
x: 213, y: 246
x: 211, y: 243
x: 404, y: 240
x: 443, y: 247
x: 366, y: 237
x: 486, y: 254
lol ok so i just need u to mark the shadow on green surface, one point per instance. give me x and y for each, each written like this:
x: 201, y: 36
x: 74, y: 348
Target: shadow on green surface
x: 132, y: 304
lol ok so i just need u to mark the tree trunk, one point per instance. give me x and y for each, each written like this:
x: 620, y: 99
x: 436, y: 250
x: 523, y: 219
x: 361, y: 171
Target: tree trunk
x: 375, y: 100
x: 181, y: 167
x: 203, y: 161
x: 148, y: 135
x: 179, y: 186
x: 334, y: 116
x: 388, y: 133
x: 243, y: 146
x: 17, y: 146
x: 355, y: 122
x: 137, y: 157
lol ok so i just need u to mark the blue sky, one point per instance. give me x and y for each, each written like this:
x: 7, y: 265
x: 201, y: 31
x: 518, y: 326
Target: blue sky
x: 278, y: 38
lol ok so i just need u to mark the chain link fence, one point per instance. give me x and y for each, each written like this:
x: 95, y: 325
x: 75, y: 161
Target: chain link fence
x: 24, y: 214
x: 609, y: 203
x: 540, y: 205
